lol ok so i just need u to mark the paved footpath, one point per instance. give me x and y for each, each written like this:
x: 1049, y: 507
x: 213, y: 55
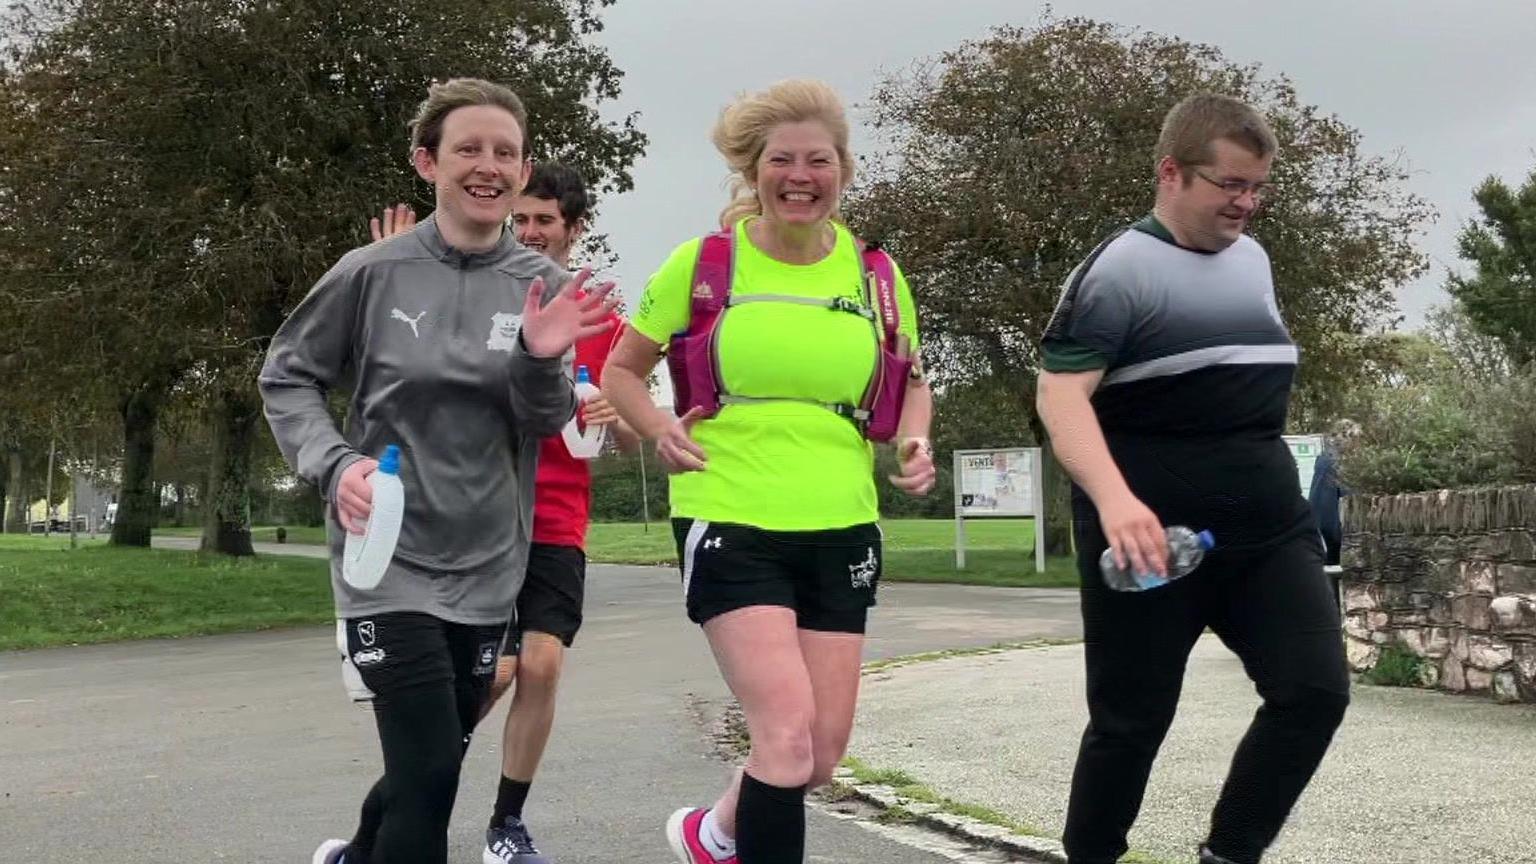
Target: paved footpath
x: 1414, y: 777
x: 244, y: 748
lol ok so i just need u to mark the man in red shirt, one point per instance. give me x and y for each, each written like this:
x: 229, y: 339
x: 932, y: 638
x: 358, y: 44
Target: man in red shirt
x: 549, y: 216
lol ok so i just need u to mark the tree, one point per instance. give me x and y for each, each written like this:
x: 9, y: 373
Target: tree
x: 1005, y: 161
x: 95, y: 306
x: 263, y: 165
x: 1478, y: 357
x: 1499, y: 299
x: 617, y: 487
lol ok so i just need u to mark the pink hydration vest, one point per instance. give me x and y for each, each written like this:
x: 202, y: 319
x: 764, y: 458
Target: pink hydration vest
x: 693, y: 356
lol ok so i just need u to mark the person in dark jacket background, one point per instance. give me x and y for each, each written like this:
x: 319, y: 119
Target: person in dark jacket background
x: 1328, y: 490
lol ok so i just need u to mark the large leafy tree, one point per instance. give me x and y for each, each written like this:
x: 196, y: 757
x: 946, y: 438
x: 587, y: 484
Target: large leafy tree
x: 1499, y: 296
x: 209, y: 159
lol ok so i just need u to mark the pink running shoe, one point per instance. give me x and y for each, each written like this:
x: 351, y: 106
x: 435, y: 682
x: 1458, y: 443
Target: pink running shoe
x: 683, y: 835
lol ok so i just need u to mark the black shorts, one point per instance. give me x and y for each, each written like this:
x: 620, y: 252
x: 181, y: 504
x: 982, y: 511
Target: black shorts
x: 386, y: 653
x: 827, y: 577
x: 551, y: 597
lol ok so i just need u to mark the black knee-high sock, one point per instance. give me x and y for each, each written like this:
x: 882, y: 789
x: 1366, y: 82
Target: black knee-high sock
x: 510, y: 797
x: 770, y: 823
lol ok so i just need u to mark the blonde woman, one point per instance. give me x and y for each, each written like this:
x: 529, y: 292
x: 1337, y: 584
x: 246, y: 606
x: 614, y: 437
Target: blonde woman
x: 773, y: 498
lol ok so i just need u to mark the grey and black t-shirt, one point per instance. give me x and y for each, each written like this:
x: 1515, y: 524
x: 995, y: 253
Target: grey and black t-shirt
x: 1198, y: 368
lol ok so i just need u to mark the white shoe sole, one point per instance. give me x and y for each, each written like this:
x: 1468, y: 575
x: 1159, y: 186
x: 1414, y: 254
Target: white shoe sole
x: 489, y: 857
x: 674, y: 836
x: 326, y: 850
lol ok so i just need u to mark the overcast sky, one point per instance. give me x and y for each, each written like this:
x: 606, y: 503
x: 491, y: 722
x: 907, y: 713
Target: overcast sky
x: 1449, y: 86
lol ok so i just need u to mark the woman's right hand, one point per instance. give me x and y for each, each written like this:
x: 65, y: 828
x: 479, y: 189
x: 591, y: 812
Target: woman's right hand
x: 354, y: 495
x: 676, y: 447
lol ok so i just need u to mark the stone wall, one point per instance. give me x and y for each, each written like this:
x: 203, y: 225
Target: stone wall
x: 1451, y: 577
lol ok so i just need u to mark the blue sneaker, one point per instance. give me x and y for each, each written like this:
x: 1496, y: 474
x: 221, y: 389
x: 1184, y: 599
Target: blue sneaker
x: 510, y: 843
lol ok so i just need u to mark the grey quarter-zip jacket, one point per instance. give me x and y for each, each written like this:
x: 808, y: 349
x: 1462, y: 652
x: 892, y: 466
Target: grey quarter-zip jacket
x: 425, y: 338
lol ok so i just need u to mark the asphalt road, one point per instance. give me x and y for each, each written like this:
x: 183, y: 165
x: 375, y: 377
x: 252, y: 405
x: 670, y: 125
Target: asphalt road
x: 244, y: 748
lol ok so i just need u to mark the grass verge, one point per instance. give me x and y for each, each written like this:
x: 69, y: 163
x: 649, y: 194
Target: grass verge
x: 912, y: 791
x: 57, y: 596
x: 908, y: 787
x: 999, y: 552
x: 302, y: 534
x: 890, y: 663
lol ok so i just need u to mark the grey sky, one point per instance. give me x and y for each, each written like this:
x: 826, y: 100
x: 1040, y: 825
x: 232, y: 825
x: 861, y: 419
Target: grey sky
x: 1446, y: 85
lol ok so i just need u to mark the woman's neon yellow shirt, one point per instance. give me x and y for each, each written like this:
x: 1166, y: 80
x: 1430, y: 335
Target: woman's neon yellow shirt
x: 780, y: 465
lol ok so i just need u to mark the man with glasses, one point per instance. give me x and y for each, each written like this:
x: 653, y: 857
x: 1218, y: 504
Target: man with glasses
x: 1166, y: 381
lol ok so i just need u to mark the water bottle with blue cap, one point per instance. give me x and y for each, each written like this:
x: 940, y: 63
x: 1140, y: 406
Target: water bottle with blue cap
x: 1186, y: 549
x: 584, y: 441
x: 366, y: 556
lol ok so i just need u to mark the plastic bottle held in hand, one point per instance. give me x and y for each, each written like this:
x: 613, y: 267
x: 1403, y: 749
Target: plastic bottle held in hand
x: 588, y: 443
x: 366, y: 556
x: 1186, y: 549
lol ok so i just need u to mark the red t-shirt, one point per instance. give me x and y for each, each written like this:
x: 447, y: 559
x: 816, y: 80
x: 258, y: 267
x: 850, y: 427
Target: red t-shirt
x: 562, y: 488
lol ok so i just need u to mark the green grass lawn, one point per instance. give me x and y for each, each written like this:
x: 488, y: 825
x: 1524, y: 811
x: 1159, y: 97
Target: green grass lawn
x: 997, y: 551
x: 260, y: 533
x: 52, y: 595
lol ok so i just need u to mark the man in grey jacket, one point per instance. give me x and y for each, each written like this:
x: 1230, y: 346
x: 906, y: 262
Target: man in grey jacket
x: 449, y: 348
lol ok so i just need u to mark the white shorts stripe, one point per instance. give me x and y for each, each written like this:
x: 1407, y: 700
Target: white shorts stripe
x: 351, y: 679
x: 696, y: 533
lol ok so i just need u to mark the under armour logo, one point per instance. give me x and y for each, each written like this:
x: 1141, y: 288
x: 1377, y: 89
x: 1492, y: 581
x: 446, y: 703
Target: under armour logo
x: 365, y: 632
x: 713, y: 543
x: 397, y: 315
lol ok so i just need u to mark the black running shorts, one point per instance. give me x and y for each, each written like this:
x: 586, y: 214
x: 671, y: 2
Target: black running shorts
x: 827, y: 577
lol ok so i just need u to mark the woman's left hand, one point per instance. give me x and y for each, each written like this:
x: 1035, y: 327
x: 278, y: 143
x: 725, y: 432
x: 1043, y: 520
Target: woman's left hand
x: 917, y: 472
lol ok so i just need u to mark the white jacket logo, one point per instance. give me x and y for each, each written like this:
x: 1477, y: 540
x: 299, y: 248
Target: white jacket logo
x: 398, y: 315
x: 504, y: 327
x: 862, y: 574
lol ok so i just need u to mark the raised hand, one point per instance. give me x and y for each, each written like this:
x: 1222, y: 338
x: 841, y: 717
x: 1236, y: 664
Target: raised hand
x: 550, y: 329
x: 396, y: 220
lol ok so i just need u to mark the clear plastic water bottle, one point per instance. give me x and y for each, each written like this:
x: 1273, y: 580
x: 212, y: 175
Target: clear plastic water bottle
x: 366, y: 556
x: 1186, y: 549
x: 584, y: 443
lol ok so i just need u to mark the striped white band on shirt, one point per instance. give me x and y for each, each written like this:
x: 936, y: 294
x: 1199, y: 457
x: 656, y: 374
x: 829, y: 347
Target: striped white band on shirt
x: 696, y: 533
x: 1189, y: 361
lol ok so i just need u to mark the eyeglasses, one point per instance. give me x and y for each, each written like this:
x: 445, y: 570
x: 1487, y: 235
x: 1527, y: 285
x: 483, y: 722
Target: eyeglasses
x: 1235, y: 189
